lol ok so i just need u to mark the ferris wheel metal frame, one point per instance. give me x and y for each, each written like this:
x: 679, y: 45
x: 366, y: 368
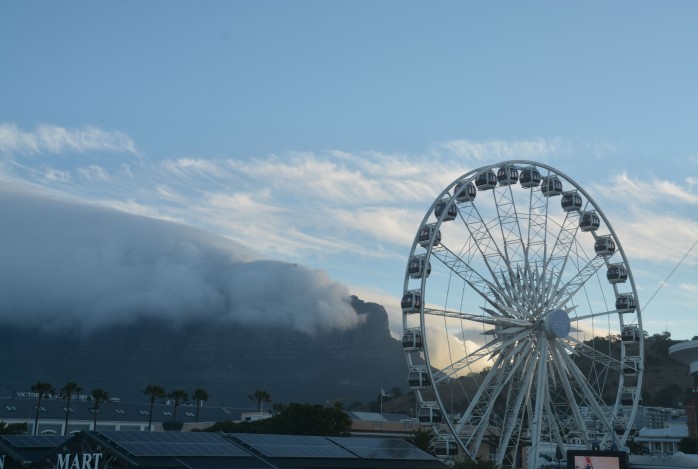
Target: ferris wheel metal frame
x: 518, y: 274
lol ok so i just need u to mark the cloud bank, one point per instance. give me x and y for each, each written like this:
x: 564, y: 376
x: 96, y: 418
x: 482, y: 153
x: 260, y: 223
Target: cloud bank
x: 77, y: 267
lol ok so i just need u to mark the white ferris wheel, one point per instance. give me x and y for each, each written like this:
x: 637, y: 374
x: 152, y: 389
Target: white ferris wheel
x: 522, y: 327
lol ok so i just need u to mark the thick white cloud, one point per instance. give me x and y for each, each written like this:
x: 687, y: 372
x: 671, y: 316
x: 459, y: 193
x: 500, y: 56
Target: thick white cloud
x: 80, y: 267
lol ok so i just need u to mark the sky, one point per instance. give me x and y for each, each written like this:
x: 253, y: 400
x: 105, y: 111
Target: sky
x: 245, y: 142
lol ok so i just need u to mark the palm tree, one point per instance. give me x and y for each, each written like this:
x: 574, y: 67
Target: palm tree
x: 178, y: 395
x: 98, y: 395
x: 155, y: 392
x: 260, y: 396
x: 70, y: 388
x: 43, y: 389
x: 199, y: 395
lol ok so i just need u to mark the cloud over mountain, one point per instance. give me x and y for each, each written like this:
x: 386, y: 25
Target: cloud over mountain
x: 78, y: 267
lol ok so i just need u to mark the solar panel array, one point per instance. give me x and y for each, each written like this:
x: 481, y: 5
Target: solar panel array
x: 381, y: 448
x: 292, y: 446
x: 38, y: 441
x: 168, y: 444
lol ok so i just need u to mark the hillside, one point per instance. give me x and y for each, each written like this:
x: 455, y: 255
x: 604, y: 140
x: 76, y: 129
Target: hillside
x: 228, y: 360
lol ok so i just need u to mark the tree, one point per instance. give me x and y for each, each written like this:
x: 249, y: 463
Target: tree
x: 178, y: 395
x: 260, y: 396
x: 155, y: 392
x: 68, y: 390
x: 199, y: 395
x: 43, y: 389
x: 13, y: 428
x: 99, y: 396
x: 423, y: 439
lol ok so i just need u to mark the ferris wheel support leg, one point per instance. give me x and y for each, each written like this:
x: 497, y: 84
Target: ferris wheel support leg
x: 541, y: 394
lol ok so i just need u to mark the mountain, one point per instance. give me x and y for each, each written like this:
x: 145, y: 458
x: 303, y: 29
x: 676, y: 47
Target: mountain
x: 229, y: 360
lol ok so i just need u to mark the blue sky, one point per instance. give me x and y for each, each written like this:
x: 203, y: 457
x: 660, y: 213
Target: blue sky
x: 319, y: 133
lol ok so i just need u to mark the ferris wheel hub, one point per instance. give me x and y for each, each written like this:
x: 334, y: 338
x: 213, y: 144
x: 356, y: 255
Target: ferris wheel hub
x: 557, y: 324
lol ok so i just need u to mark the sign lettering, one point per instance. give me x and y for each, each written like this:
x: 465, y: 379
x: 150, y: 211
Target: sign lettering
x: 78, y: 461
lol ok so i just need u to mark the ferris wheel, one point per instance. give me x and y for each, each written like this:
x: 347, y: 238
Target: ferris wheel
x: 522, y: 326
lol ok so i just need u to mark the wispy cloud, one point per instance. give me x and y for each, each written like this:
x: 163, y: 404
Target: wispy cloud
x: 54, y: 139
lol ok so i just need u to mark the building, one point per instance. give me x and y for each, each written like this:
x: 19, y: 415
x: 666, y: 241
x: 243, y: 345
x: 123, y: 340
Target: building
x: 133, y: 449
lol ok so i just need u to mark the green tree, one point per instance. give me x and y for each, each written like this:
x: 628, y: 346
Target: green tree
x: 294, y: 419
x: 309, y: 419
x: 70, y: 388
x: 423, y: 439
x: 98, y: 396
x: 260, y: 397
x: 13, y: 428
x: 178, y: 396
x: 43, y: 389
x: 688, y: 445
x: 155, y: 392
x: 199, y: 395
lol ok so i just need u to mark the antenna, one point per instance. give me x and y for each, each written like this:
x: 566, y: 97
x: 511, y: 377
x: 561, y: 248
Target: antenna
x: 670, y: 274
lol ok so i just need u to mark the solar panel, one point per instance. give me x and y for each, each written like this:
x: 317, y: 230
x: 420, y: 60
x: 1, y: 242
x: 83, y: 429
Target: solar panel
x: 173, y: 444
x: 38, y: 441
x: 293, y: 446
x: 381, y: 448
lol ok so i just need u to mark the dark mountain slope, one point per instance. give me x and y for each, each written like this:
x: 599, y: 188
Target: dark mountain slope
x: 229, y: 360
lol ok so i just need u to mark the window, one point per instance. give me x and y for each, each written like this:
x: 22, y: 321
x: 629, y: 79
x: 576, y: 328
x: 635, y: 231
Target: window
x: 120, y: 411
x: 68, y: 409
x: 167, y: 412
x: 144, y: 412
x: 189, y: 414
x: 11, y: 407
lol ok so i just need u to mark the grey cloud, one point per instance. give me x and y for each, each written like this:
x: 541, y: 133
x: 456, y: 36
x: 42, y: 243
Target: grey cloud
x: 71, y: 266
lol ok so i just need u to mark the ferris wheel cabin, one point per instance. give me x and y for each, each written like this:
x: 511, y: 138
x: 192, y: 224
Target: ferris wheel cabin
x: 507, y: 175
x: 626, y: 303
x: 630, y: 334
x: 486, y: 180
x: 430, y: 413
x: 604, y: 245
x: 412, y: 341
x: 465, y: 192
x: 551, y: 186
x: 445, y: 448
x: 419, y: 267
x: 411, y: 302
x: 426, y: 233
x: 631, y: 366
x: 617, y: 273
x: 589, y: 221
x: 418, y: 378
x: 530, y: 177
x: 571, y: 201
x: 441, y: 206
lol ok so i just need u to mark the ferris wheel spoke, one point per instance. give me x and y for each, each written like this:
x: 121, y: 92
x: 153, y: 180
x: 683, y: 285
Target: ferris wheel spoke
x: 515, y: 413
x: 486, y: 353
x: 591, y: 398
x: 559, y: 255
x: 477, y: 415
x: 569, y: 393
x: 596, y: 356
x: 593, y: 315
x: 497, y: 297
x: 481, y: 234
x: 570, y: 289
